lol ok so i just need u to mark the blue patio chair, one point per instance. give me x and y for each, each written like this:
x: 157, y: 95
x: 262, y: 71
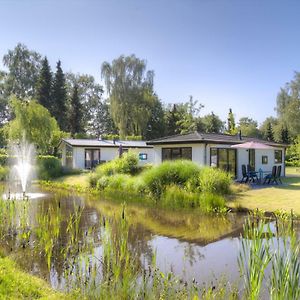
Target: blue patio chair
x: 277, y: 176
x: 252, y: 174
x: 271, y: 176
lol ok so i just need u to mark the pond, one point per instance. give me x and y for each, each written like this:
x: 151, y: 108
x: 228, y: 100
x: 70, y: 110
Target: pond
x: 194, y: 246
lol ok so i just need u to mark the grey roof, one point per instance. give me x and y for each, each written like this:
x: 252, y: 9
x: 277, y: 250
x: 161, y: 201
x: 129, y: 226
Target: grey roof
x: 105, y: 143
x: 197, y: 137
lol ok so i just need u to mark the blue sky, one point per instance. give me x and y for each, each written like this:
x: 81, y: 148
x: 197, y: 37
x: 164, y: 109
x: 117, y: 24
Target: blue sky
x: 225, y: 53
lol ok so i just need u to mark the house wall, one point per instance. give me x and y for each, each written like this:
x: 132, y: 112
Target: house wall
x: 106, y: 154
x: 198, y: 152
x: 202, y: 156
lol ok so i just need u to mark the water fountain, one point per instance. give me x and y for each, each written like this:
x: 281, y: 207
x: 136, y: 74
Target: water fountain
x: 22, y: 169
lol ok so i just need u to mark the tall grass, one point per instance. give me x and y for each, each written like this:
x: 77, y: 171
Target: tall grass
x: 169, y: 172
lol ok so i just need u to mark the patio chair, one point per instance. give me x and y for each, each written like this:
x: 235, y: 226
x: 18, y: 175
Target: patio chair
x: 271, y: 176
x: 244, y: 174
x: 252, y: 174
x: 277, y: 176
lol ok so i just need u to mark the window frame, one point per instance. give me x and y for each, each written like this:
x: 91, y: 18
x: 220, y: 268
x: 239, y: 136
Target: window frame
x: 281, y: 156
x: 174, y: 157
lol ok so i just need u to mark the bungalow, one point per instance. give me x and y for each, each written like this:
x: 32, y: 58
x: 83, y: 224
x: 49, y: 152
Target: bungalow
x: 87, y: 153
x: 215, y: 150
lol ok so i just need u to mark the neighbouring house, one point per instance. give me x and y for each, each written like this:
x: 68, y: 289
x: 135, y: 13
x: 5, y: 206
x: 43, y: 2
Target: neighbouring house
x: 87, y: 153
x: 215, y: 150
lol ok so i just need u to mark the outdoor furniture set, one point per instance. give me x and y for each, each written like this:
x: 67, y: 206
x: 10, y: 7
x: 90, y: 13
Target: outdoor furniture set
x: 268, y: 177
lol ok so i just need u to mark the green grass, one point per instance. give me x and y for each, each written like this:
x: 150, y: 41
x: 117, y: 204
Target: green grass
x: 284, y: 197
x: 75, y: 180
x: 16, y: 284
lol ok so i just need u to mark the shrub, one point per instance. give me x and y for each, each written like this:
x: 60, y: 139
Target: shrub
x: 49, y: 167
x: 121, y: 182
x: 215, y: 181
x: 177, y: 197
x: 168, y: 173
x: 3, y: 173
x: 3, y: 159
x: 211, y: 202
x: 127, y: 164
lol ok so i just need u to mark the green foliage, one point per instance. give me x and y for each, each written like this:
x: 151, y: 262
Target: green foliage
x: 117, y: 137
x: 212, y: 123
x: 23, y: 69
x: 49, y: 167
x: 248, y: 127
x: 231, y: 127
x: 44, y: 86
x: 169, y: 172
x: 3, y: 173
x: 36, y: 122
x: 126, y: 164
x: 3, y: 159
x: 210, y: 202
x: 75, y: 114
x: 59, y: 97
x: 131, y: 95
x: 215, y: 181
x: 177, y: 197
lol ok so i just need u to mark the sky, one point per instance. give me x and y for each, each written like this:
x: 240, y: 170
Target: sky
x: 225, y: 53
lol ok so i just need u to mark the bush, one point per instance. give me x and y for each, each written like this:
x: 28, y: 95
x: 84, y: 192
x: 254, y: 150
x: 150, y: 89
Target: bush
x: 121, y: 182
x: 211, y: 202
x: 3, y: 173
x: 49, y: 167
x: 170, y: 172
x: 215, y: 181
x: 127, y: 164
x: 177, y: 197
x: 3, y: 159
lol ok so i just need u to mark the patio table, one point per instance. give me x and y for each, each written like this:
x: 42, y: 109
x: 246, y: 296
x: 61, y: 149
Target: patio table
x: 262, y: 174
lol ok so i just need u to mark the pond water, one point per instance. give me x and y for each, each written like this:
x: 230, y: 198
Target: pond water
x: 190, y: 244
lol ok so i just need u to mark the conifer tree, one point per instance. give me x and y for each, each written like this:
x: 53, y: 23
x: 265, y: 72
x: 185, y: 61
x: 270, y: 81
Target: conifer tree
x: 75, y: 121
x: 59, y: 95
x: 284, y: 135
x: 44, y: 86
x: 231, y: 128
x: 270, y: 135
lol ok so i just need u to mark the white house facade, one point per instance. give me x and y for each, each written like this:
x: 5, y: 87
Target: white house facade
x: 215, y: 150
x: 87, y: 153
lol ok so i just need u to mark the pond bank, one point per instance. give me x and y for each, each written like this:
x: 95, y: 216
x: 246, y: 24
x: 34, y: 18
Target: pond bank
x: 16, y: 284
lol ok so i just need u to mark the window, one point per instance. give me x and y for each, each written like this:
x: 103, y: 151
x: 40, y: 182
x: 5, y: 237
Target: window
x: 69, y: 156
x: 278, y: 156
x: 177, y: 153
x: 264, y: 160
x: 223, y: 158
x: 143, y: 156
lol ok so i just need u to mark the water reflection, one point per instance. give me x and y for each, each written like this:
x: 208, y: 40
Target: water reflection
x: 190, y: 244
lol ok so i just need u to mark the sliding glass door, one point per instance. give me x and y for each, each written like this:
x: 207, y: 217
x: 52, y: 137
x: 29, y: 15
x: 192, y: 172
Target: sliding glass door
x: 224, y: 159
x: 92, y: 158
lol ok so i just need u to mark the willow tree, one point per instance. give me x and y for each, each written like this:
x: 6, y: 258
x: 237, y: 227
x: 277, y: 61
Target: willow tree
x: 130, y: 89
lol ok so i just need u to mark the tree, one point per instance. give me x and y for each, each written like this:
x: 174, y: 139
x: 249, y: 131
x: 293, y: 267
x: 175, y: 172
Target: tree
x: 288, y: 106
x: 212, y: 123
x: 44, y: 86
x: 96, y: 117
x: 231, y: 129
x: 248, y: 127
x: 23, y: 69
x: 75, y: 120
x: 156, y: 126
x: 285, y: 135
x: 59, y: 95
x: 36, y: 122
x: 131, y: 95
x: 270, y: 135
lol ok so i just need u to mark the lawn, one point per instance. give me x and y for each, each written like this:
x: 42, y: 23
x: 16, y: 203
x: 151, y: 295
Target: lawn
x: 78, y: 179
x: 271, y: 198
